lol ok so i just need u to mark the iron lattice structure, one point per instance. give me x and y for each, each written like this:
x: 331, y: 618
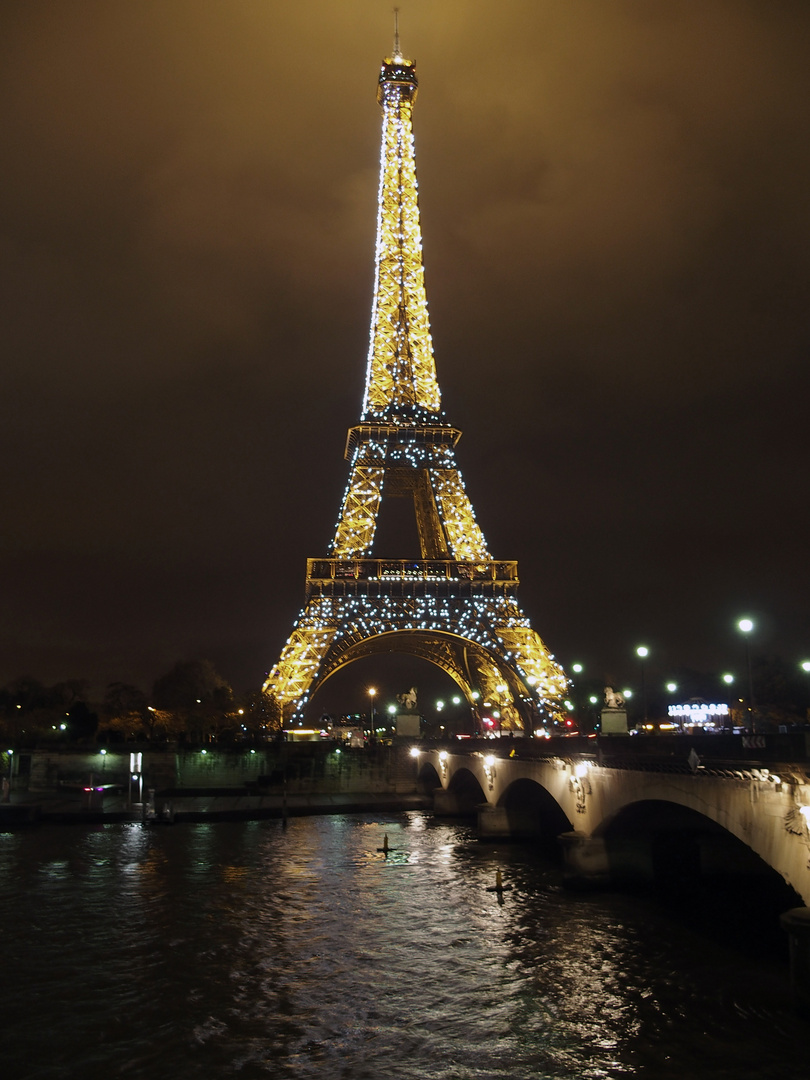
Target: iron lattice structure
x: 455, y: 606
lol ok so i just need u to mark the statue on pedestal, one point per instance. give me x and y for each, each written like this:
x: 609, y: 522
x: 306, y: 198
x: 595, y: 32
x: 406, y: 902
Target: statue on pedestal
x: 408, y: 700
x: 614, y: 699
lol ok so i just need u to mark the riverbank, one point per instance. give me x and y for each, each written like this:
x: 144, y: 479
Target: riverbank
x: 170, y: 808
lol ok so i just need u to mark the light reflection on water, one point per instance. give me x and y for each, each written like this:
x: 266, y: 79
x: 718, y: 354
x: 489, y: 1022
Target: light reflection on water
x: 247, y: 950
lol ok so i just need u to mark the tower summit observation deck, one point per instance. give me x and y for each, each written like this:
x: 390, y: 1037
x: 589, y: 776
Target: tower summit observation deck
x: 455, y: 606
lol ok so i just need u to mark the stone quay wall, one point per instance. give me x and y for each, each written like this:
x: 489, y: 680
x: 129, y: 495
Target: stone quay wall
x: 295, y: 768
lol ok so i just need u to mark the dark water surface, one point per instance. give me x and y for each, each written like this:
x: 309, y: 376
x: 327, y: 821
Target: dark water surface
x: 247, y: 950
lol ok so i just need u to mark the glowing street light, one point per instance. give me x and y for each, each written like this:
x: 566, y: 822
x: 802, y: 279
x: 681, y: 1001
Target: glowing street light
x: 371, y: 693
x: 642, y: 652
x: 7, y: 782
x: 805, y: 665
x: 672, y: 687
x: 577, y: 669
x: 745, y: 626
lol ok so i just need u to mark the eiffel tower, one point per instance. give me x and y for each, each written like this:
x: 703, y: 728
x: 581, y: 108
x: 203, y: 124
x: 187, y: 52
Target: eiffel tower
x: 456, y: 606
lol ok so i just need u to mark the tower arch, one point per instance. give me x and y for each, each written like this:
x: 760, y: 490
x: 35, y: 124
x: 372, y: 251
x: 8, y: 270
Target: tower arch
x: 487, y: 683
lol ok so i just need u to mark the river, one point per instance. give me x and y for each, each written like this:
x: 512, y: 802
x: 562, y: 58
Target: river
x: 252, y: 950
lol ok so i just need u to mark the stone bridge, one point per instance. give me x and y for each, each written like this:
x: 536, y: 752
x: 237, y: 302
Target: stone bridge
x: 621, y: 818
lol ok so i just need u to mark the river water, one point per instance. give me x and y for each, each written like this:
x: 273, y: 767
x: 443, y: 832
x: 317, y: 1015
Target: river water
x: 250, y: 950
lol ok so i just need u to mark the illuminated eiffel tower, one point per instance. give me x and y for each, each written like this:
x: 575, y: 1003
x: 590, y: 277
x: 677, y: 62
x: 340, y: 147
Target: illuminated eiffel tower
x: 455, y: 607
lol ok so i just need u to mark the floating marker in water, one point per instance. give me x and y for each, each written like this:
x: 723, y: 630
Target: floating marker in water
x: 499, y: 886
x: 385, y: 847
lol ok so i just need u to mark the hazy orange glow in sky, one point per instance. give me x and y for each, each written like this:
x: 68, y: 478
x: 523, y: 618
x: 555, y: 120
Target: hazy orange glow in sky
x: 616, y: 232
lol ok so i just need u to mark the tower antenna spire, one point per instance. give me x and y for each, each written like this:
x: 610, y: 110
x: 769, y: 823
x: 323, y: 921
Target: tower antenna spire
x: 397, y: 51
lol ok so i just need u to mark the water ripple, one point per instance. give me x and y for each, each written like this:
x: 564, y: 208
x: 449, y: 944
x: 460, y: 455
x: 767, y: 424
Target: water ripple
x: 254, y: 951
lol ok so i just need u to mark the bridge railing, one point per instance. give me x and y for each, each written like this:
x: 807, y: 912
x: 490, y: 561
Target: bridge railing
x: 669, y: 753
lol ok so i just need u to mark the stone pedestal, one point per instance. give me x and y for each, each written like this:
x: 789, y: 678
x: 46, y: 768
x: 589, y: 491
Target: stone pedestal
x: 493, y: 823
x: 585, y: 860
x: 796, y: 923
x: 614, y: 722
x: 446, y: 803
x: 408, y: 725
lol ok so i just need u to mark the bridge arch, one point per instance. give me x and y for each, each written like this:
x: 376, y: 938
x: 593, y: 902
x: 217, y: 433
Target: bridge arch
x: 533, y: 813
x: 466, y: 792
x: 427, y: 779
x: 666, y: 840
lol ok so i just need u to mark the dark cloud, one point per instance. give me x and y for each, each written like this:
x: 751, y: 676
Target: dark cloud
x: 616, y: 225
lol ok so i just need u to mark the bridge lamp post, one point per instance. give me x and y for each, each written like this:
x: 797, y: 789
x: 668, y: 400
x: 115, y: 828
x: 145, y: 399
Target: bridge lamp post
x: 671, y: 688
x: 805, y: 666
x: 594, y: 715
x: 745, y: 626
x: 439, y: 708
x: 577, y: 669
x: 728, y: 679
x: 372, y: 691
x: 7, y: 783
x: 642, y: 652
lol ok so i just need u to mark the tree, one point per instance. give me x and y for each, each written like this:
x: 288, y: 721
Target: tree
x: 196, y: 694
x: 125, y: 711
x: 262, y: 715
x: 82, y: 723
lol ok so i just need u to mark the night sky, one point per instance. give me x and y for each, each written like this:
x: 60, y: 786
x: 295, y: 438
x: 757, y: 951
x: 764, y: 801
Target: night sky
x: 616, y: 226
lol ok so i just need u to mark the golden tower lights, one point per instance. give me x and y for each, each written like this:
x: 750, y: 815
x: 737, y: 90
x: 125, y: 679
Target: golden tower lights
x: 456, y: 606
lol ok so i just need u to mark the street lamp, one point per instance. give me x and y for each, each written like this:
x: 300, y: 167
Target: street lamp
x: 642, y: 652
x: 745, y: 626
x: 7, y: 782
x: 371, y: 692
x: 577, y: 670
